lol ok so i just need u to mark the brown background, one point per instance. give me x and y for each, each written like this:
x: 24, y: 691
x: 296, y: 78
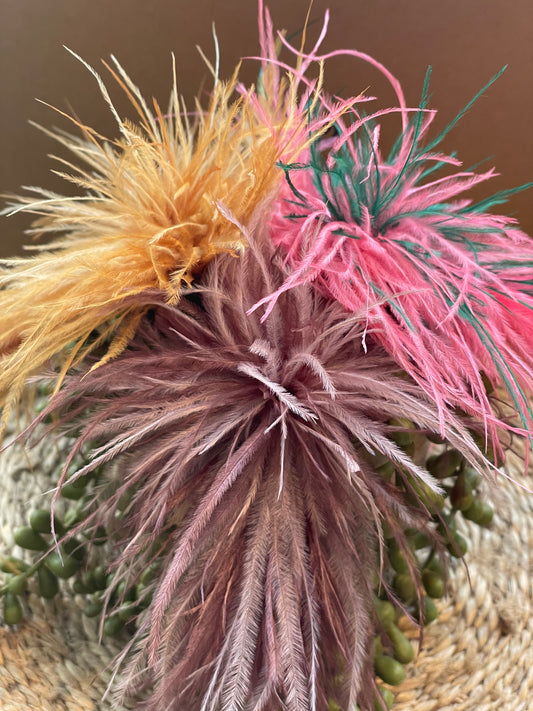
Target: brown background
x: 466, y: 42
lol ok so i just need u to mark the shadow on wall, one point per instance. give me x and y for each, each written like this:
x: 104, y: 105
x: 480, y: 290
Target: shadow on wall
x: 465, y: 42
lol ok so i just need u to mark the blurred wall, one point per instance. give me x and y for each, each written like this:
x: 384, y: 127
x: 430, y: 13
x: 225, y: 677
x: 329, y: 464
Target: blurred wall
x: 466, y: 42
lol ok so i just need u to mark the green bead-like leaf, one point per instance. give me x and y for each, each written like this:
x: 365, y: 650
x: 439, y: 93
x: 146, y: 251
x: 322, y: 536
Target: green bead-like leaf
x: 18, y: 584
x: 12, y: 609
x: 64, y: 566
x: 26, y: 537
x: 389, y: 669
x: 48, y: 584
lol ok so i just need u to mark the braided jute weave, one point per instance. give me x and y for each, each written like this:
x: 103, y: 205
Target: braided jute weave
x: 477, y: 656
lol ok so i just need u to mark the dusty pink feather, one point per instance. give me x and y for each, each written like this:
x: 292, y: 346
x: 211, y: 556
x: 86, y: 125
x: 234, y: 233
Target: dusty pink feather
x: 245, y: 446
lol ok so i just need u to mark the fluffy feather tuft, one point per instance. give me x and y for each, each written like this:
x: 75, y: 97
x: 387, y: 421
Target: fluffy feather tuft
x: 245, y: 447
x: 156, y: 205
x: 448, y: 275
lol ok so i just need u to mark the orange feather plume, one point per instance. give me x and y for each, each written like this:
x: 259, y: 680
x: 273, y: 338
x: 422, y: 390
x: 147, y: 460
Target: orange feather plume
x: 158, y: 203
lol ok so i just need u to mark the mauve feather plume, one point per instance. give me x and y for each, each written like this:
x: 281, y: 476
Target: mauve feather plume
x: 245, y: 448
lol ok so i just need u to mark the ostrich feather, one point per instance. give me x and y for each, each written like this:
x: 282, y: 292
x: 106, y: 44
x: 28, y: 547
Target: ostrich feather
x: 450, y: 276
x: 246, y: 448
x: 149, y: 217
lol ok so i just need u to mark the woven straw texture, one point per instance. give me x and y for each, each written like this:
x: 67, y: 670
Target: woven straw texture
x: 478, y: 655
x: 53, y: 661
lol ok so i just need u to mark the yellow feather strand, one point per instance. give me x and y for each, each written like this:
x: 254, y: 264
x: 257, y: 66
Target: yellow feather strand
x: 148, y: 219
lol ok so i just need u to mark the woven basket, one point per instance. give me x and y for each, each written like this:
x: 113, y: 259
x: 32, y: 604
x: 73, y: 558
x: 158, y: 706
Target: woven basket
x: 477, y: 656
